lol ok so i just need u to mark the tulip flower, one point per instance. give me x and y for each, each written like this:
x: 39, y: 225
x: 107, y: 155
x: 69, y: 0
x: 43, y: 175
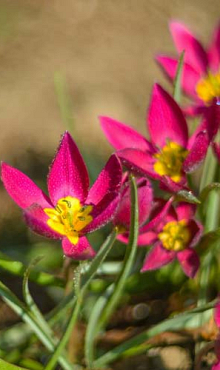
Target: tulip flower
x: 71, y: 210
x: 173, y: 232
x: 201, y: 73
x: 170, y: 153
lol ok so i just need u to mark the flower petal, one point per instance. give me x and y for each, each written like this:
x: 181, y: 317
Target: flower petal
x: 68, y: 175
x: 197, y: 152
x: 196, y: 230
x: 166, y: 120
x: 122, y: 136
x: 81, y: 251
x: 161, y: 213
x: 109, y: 180
x: 104, y: 212
x: 185, y: 211
x: 157, y: 257
x: 189, y: 261
x: 22, y: 189
x: 145, y: 239
x: 217, y: 314
x: 36, y: 219
x: 214, y: 50
x: 195, y: 55
x: 138, y: 162
x: 145, y: 198
x: 190, y: 77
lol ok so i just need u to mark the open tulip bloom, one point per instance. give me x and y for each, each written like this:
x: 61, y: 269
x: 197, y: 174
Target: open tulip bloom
x: 71, y: 210
x: 201, y: 72
x: 170, y: 153
x: 173, y: 232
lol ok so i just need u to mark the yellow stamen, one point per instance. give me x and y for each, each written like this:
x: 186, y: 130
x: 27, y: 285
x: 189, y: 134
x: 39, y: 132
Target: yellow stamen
x: 69, y: 218
x: 208, y: 87
x: 170, y: 160
x: 175, y: 235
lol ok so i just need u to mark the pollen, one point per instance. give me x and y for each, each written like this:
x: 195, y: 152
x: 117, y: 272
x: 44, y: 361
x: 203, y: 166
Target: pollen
x: 175, y: 235
x: 170, y: 161
x: 208, y: 88
x: 69, y: 218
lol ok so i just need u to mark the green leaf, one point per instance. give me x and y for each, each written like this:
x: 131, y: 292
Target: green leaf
x: 177, y: 80
x: 205, y: 192
x: 76, y: 303
x: 128, y: 260
x: 6, y: 366
x: 18, y: 268
x: 186, y: 196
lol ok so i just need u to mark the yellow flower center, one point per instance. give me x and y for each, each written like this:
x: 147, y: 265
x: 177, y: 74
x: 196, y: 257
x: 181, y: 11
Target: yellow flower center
x: 208, y: 87
x: 175, y: 235
x: 170, y: 160
x: 69, y: 218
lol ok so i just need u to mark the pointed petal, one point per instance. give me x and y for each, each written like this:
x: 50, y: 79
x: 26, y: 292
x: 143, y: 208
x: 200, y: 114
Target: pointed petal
x: 212, y: 119
x: 161, y: 214
x: 214, y: 50
x: 185, y: 211
x: 122, y: 136
x: 22, y: 189
x: 145, y: 199
x: 173, y: 187
x: 195, y: 54
x: 104, y: 212
x: 166, y: 120
x: 157, y: 257
x: 139, y: 162
x: 189, y: 261
x: 81, y: 251
x: 197, y: 152
x: 36, y: 219
x: 143, y: 239
x: 68, y: 175
x: 190, y: 77
x: 109, y: 180
x: 196, y: 230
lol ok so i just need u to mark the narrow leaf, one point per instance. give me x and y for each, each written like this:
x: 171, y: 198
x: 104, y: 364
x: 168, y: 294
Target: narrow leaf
x: 177, y: 80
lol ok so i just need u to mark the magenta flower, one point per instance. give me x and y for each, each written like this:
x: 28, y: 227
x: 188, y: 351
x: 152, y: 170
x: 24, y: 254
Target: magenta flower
x: 71, y: 210
x: 123, y: 214
x: 173, y: 232
x: 170, y: 153
x: 201, y: 72
x: 216, y: 366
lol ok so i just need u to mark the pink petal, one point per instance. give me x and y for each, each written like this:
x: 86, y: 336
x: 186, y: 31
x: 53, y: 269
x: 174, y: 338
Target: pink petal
x: 196, y: 230
x: 122, y: 136
x: 189, y: 261
x: 166, y: 120
x: 22, y: 189
x: 190, y: 77
x: 173, y: 187
x: 109, y: 180
x: 138, y: 162
x: 195, y: 55
x: 212, y: 119
x: 145, y: 198
x: 217, y: 314
x: 160, y: 216
x: 214, y: 50
x: 197, y: 152
x: 104, y: 212
x: 68, y: 175
x: 81, y: 251
x: 36, y: 219
x: 157, y: 257
x: 216, y: 366
x: 185, y: 211
x: 143, y: 239
x: 201, y: 127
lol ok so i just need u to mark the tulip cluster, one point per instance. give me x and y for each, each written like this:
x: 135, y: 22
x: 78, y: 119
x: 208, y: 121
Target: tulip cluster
x: 168, y: 223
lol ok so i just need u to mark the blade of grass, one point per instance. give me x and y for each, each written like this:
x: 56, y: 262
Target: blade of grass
x: 6, y: 366
x: 96, y: 262
x: 177, y: 80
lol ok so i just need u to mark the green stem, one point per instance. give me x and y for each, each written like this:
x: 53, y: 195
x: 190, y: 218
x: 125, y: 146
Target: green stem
x: 129, y: 258
x: 76, y: 308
